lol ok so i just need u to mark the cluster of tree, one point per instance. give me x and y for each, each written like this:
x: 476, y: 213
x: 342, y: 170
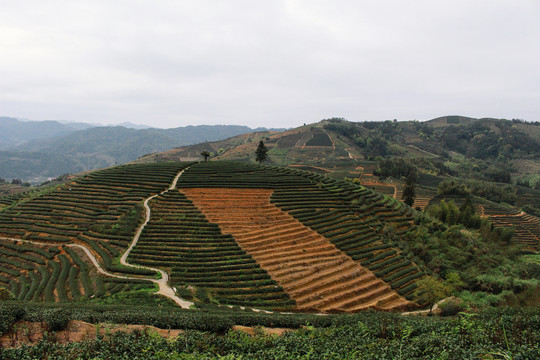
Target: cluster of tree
x: 373, y: 145
x: 528, y: 183
x: 521, y: 121
x: 424, y: 130
x: 14, y: 182
x: 397, y: 168
x: 431, y: 290
x: 370, y: 135
x: 450, y: 214
x: 472, y: 253
x: 488, y: 140
x: 494, y: 192
x: 387, y: 129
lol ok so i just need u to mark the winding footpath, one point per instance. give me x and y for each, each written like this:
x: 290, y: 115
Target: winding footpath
x: 164, y: 288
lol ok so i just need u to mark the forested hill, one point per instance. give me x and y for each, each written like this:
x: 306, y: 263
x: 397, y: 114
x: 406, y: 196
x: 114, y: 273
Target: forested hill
x: 14, y: 132
x: 99, y: 147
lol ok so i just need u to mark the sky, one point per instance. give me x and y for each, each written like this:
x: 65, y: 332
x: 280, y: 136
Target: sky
x: 268, y: 63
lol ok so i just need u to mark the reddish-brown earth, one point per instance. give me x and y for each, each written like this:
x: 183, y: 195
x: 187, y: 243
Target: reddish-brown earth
x: 29, y: 333
x: 316, y: 274
x: 25, y: 332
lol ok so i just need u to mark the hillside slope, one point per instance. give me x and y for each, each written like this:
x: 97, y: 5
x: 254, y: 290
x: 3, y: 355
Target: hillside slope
x: 213, y: 253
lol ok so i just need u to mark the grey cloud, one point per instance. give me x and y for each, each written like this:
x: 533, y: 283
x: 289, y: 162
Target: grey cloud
x: 277, y: 63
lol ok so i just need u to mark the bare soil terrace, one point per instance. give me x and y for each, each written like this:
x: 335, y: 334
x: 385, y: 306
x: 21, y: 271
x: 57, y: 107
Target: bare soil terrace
x: 316, y: 274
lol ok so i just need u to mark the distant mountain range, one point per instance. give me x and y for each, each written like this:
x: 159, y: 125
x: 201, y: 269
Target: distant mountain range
x: 36, y: 150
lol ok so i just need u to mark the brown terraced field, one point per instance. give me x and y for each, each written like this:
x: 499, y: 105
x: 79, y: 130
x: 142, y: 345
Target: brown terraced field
x: 316, y: 274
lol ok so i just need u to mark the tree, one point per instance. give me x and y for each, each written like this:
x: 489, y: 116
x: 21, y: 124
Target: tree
x: 205, y: 154
x: 409, y: 192
x: 430, y: 291
x: 261, y: 152
x: 453, y: 282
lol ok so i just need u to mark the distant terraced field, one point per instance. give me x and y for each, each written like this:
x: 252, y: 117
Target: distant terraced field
x: 237, y: 233
x: 526, y: 226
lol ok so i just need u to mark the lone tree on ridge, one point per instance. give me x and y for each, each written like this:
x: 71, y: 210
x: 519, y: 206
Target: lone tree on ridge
x: 205, y: 154
x: 261, y: 152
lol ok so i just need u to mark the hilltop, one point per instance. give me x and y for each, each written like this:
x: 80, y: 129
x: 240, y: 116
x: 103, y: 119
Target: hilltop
x: 499, y: 150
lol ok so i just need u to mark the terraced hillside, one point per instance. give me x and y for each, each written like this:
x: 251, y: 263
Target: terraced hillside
x: 526, y: 226
x: 322, y: 240
x: 48, y: 273
x: 195, y: 252
x: 228, y: 232
x: 316, y: 274
x: 99, y: 212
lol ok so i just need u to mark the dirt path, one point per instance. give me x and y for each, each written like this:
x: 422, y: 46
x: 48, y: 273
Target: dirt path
x: 433, y: 309
x: 423, y: 151
x: 164, y: 288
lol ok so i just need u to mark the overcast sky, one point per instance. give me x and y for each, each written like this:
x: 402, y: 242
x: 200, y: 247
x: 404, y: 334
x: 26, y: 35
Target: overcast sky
x: 268, y: 63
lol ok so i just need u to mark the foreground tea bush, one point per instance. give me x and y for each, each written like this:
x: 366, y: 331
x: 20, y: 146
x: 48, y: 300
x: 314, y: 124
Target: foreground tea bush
x: 494, y: 335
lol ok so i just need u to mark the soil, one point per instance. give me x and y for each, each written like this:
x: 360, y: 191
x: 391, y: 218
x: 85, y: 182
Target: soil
x: 31, y: 333
x: 25, y: 332
x: 303, y: 262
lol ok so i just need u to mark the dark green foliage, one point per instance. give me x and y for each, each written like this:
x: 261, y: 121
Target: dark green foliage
x: 453, y: 187
x: 484, y: 259
x: 479, y: 140
x: 205, y: 154
x: 9, y: 315
x: 451, y: 308
x: 396, y: 168
x: 261, y: 152
x: 56, y: 319
x: 494, y: 192
x: 369, y: 335
x: 450, y: 214
x: 320, y: 139
x: 409, y: 192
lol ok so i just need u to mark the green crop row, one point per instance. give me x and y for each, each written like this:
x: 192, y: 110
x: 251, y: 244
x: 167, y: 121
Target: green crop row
x: 180, y: 238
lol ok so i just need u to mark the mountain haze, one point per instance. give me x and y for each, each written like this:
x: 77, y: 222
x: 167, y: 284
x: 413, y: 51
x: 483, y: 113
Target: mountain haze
x: 14, y: 132
x: 61, y: 149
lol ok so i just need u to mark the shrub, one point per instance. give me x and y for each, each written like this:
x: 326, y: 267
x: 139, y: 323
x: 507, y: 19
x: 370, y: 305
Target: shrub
x: 451, y: 307
x: 56, y: 319
x: 5, y: 294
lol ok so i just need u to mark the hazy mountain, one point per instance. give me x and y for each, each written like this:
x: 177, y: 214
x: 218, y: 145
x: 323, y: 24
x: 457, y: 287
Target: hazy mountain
x: 98, y: 147
x: 15, y: 132
x: 133, y: 126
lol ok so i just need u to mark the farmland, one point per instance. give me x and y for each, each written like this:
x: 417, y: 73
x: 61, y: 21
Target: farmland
x: 98, y: 212
x: 320, y: 246
x: 234, y: 238
x: 494, y: 334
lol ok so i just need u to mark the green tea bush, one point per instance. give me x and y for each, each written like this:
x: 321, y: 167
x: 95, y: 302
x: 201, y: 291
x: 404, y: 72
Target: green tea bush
x: 56, y: 319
